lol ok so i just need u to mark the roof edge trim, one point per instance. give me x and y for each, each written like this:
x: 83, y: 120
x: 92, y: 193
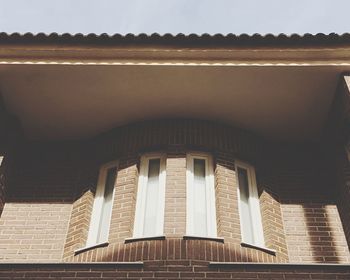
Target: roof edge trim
x: 215, y: 40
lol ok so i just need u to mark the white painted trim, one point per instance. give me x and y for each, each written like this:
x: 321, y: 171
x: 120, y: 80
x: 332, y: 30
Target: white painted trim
x: 210, y: 194
x: 98, y: 203
x: 157, y: 55
x: 254, y: 205
x: 141, y: 195
x: 1, y: 159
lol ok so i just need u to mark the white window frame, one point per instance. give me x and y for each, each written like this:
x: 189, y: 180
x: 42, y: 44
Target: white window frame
x: 210, y: 194
x: 254, y: 204
x: 141, y: 195
x: 98, y: 204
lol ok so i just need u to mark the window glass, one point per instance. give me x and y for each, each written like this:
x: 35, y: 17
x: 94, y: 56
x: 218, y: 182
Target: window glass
x: 103, y: 203
x: 150, y: 202
x: 107, y: 205
x: 249, y: 205
x: 246, y: 217
x: 200, y: 201
x: 152, y: 194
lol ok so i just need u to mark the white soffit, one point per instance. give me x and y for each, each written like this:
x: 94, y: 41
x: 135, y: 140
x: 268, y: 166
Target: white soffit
x: 77, y: 101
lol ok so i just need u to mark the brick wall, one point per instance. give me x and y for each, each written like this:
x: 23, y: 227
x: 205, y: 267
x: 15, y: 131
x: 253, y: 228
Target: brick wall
x: 336, y: 139
x: 273, y: 224
x: 184, y: 269
x: 173, y: 249
x: 227, y: 199
x: 175, y: 204
x: 343, y: 173
x: 314, y: 233
x: 68, y: 173
x: 33, y: 232
x: 2, y: 184
x: 3, y: 148
x: 122, y: 221
x: 176, y: 138
x: 79, y: 223
x: 39, y: 198
x: 10, y: 137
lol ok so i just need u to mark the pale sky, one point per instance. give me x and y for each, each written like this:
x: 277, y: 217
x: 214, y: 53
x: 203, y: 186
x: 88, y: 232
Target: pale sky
x: 175, y: 16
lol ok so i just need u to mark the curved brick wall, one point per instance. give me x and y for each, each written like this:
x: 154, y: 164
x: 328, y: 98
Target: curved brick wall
x: 176, y: 138
x: 293, y: 182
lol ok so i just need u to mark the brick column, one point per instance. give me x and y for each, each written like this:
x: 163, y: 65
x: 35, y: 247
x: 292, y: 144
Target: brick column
x: 2, y: 185
x: 3, y: 145
x: 343, y: 175
x: 227, y: 199
x: 175, y: 205
x: 10, y: 136
x: 78, y: 225
x: 337, y: 139
x: 122, y: 221
x: 273, y: 224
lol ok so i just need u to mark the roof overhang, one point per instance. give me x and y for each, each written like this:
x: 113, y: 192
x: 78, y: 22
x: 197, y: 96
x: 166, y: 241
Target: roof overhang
x: 66, y: 87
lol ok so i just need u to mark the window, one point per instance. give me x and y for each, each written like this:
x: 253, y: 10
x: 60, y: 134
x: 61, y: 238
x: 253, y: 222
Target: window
x: 149, y: 217
x: 249, y: 208
x: 102, y: 209
x: 201, y: 211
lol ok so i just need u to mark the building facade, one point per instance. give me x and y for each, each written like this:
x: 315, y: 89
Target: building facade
x: 174, y: 157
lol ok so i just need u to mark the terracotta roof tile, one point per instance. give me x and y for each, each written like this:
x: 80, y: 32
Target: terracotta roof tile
x: 192, y: 40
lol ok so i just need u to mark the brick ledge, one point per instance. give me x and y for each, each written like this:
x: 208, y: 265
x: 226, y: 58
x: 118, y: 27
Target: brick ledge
x: 208, y: 238
x: 279, y: 265
x: 36, y: 264
x: 90, y: 247
x: 257, y: 247
x: 149, y: 238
